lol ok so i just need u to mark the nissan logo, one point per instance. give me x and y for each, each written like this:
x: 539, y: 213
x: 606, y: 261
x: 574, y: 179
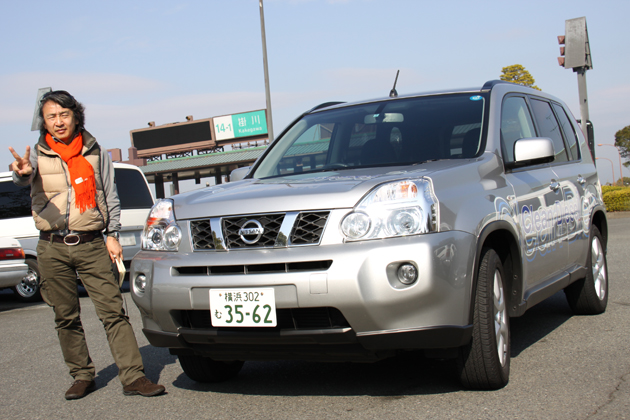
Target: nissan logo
x: 251, y: 232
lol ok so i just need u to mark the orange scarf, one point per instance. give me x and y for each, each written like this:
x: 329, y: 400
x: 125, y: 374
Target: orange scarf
x: 81, y: 171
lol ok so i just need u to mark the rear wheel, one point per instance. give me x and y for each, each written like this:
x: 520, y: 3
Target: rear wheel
x: 589, y: 296
x: 485, y: 362
x: 28, y: 289
x: 205, y: 369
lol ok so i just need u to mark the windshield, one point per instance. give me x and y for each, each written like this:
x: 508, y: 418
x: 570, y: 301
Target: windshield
x: 389, y: 133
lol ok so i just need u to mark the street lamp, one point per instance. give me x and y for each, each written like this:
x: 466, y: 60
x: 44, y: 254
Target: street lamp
x: 620, y: 166
x: 611, y: 168
x: 266, y: 70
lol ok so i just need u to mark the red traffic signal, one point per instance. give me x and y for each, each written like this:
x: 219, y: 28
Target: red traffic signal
x: 561, y: 42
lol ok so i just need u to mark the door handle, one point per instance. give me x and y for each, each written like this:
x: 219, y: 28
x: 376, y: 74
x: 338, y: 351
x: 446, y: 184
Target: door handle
x: 581, y: 180
x: 554, y: 186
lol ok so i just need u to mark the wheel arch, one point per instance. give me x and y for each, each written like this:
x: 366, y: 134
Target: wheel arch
x: 599, y: 219
x: 502, y: 238
x: 29, y: 253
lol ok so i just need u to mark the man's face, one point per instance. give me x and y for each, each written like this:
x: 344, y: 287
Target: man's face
x: 59, y: 121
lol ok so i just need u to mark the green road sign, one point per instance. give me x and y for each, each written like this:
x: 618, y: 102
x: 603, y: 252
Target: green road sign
x: 240, y: 125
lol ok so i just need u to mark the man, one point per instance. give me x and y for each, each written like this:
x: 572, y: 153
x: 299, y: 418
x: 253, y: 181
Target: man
x: 74, y: 199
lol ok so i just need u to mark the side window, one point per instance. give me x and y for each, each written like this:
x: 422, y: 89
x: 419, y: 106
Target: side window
x: 549, y: 127
x: 132, y: 189
x: 14, y: 201
x: 567, y: 130
x: 516, y: 123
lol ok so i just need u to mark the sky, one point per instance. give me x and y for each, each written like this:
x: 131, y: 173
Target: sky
x: 131, y: 62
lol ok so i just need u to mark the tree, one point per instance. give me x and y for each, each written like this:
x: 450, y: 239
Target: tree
x: 517, y: 74
x: 622, y: 141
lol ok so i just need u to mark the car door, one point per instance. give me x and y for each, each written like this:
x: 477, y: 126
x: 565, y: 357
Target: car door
x: 538, y: 200
x: 575, y: 176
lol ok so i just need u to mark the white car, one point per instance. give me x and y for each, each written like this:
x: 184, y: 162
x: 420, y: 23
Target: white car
x: 13, y: 269
x: 16, y: 220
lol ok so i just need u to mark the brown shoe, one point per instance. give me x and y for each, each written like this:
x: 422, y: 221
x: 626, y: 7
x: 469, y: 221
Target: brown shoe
x: 143, y: 386
x: 80, y: 389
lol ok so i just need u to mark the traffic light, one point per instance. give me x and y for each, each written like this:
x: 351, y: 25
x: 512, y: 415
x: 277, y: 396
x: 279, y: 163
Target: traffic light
x: 575, y: 51
x: 561, y: 42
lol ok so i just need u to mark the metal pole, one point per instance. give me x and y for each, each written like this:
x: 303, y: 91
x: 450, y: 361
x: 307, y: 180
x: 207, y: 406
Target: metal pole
x: 611, y: 168
x: 620, y: 164
x: 581, y: 76
x: 267, y: 94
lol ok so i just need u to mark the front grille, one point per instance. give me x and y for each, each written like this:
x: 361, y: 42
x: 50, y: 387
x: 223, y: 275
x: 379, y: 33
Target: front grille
x: 288, y: 319
x: 279, y: 230
x: 222, y: 270
x: 270, y: 222
x: 309, y: 228
x: 201, y: 233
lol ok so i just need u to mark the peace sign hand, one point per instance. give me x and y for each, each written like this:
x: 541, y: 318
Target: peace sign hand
x: 22, y: 165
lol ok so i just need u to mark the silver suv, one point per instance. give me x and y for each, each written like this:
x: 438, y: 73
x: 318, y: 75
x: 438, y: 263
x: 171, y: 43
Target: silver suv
x: 419, y: 222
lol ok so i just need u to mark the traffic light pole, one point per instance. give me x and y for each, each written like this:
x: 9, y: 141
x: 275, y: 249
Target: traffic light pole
x: 583, y: 95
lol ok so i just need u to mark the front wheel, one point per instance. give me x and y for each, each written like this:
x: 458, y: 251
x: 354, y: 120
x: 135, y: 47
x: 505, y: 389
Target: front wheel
x: 28, y: 289
x: 205, y: 369
x: 589, y: 296
x: 484, y: 363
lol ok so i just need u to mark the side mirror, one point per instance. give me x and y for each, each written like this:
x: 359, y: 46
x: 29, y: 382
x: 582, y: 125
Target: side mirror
x: 533, y: 151
x: 239, y: 173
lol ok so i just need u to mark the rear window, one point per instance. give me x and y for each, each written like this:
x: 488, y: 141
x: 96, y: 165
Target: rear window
x: 548, y: 126
x: 132, y: 189
x: 14, y: 201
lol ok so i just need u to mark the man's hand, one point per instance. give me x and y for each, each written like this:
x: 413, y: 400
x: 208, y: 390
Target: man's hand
x: 114, y: 248
x: 22, y: 165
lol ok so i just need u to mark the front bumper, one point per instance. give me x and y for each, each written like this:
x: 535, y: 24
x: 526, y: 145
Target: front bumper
x: 338, y: 302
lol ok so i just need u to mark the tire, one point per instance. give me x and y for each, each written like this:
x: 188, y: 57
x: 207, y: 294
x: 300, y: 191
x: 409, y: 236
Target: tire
x: 589, y: 296
x: 484, y: 363
x: 28, y: 289
x: 205, y: 369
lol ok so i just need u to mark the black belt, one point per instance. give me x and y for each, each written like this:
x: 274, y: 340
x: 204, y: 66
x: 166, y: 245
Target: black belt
x: 72, y: 238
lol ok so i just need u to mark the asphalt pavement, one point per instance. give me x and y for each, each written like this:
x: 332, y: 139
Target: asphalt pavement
x: 563, y: 367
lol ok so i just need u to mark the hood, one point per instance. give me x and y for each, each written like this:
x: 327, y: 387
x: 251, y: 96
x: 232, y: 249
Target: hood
x: 312, y: 191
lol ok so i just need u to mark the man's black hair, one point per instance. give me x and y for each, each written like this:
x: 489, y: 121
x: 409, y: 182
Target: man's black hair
x: 64, y: 100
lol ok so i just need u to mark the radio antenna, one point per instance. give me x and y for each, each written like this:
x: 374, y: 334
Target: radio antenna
x: 393, y: 93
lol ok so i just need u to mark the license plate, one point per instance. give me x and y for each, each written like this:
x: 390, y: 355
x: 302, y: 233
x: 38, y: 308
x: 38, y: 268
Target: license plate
x: 243, y: 308
x: 127, y: 240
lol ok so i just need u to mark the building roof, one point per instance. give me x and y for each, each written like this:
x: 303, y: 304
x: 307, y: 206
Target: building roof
x: 231, y: 157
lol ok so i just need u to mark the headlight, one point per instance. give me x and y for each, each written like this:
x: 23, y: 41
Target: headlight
x: 398, y: 208
x: 161, y: 232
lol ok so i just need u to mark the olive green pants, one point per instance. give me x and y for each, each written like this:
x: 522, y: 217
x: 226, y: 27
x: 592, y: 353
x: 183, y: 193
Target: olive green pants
x: 59, y: 265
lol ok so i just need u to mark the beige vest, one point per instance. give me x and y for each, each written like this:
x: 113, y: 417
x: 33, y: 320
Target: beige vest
x: 53, y: 198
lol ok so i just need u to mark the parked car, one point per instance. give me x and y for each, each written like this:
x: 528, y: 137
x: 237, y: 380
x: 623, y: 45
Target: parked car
x: 13, y: 269
x: 369, y: 229
x: 16, y: 219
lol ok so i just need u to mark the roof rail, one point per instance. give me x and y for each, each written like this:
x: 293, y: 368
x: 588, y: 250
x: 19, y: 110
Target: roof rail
x: 324, y: 105
x: 492, y: 83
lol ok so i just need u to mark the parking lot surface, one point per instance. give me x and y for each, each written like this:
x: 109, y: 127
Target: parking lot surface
x: 563, y: 367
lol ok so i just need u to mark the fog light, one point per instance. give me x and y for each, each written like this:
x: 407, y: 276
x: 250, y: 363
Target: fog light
x: 139, y: 284
x: 407, y: 273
